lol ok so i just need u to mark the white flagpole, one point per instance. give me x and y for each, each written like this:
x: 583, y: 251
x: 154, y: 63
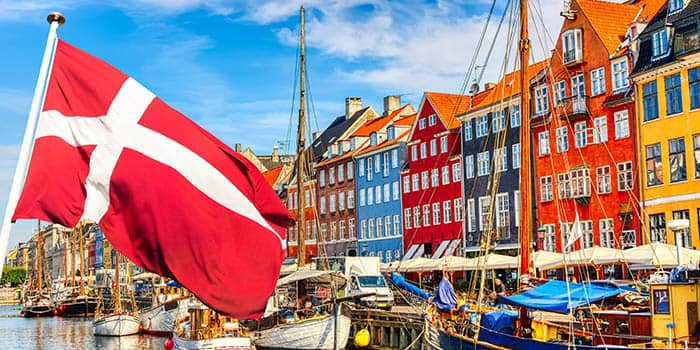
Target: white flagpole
x: 55, y: 20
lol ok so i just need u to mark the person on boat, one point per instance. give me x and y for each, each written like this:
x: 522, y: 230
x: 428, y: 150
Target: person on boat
x: 499, y: 287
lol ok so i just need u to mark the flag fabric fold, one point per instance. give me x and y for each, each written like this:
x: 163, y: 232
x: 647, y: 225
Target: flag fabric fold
x: 167, y: 194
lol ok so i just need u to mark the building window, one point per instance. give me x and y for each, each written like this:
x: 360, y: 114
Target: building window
x: 397, y: 224
x: 485, y: 213
x: 414, y: 153
x: 578, y: 86
x: 482, y: 126
x: 516, y: 205
x: 482, y: 162
x: 433, y: 147
x: 500, y: 157
x: 571, y: 45
x: 362, y: 197
x: 434, y: 178
x: 447, y: 211
x: 694, y: 87
x: 603, y: 179
x: 516, y: 156
x: 607, y: 236
x: 407, y: 217
x: 378, y: 194
x: 416, y: 217
x: 467, y: 130
x: 322, y: 204
x: 514, y: 116
x: 657, y: 227
x: 446, y: 175
x: 564, y: 186
x: 685, y: 240
x: 566, y: 228
x: 620, y: 72
x: 370, y: 228
x: 598, y: 81
x: 659, y: 43
x: 628, y: 238
x: 322, y: 178
x: 341, y: 201
x: 351, y: 199
x: 414, y: 182
x: 332, y: 203
x: 370, y: 173
x: 559, y: 93
x: 541, y: 100
x: 651, y: 104
x: 675, y: 5
x: 370, y: 196
x: 468, y: 168
x: 424, y: 180
x: 696, y: 152
x: 622, y: 124
x: 331, y: 176
x: 436, y: 213
x: 674, y: 102
x: 456, y: 172
x: 351, y: 171
x: 458, y: 209
x: 421, y: 124
x: 432, y: 120
x: 426, y: 215
x: 502, y: 212
x: 376, y: 163
x: 443, y: 144
x: 387, y: 192
x: 600, y: 129
x: 324, y: 232
x: 395, y: 190
x: 543, y: 138
x: 334, y: 231
x: 471, y: 213
x: 676, y: 159
x: 341, y: 173
x: 343, y: 232
x: 423, y: 150
x: 385, y: 168
x: 406, y: 184
x: 546, y: 188
x: 624, y: 176
x: 549, y: 241
x: 380, y: 227
x: 580, y: 181
x: 587, y: 229
x: 499, y: 122
x: 394, y: 158
x: 580, y: 134
x: 655, y: 172
x: 562, y: 139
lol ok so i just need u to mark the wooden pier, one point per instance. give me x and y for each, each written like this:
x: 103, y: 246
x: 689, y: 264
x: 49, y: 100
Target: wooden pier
x: 401, y: 328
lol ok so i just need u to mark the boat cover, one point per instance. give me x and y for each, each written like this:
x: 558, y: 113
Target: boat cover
x: 500, y: 321
x: 400, y: 282
x: 556, y: 297
x: 445, y: 298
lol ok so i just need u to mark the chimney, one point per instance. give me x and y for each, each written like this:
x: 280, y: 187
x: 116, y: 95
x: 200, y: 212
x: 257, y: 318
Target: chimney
x: 352, y: 105
x: 489, y: 85
x: 275, y: 154
x: 316, y: 135
x: 238, y: 148
x: 391, y: 103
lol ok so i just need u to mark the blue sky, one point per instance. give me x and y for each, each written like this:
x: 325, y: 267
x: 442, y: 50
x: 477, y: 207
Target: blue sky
x: 230, y: 65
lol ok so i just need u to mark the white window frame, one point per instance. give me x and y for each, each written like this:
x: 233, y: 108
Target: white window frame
x: 436, y: 213
x: 426, y: 215
x: 546, y: 189
x: 407, y: 218
x: 458, y: 209
x: 622, y: 124
x: 433, y: 147
x: 443, y: 144
x: 484, y: 213
x: 600, y: 129
x: 434, y: 178
x: 562, y: 139
x: 395, y: 190
x: 598, y: 81
x: 543, y: 143
x: 559, y: 90
x: 406, y: 184
x: 447, y: 211
x: 471, y: 214
x: 516, y: 155
x: 624, y: 176
x: 483, y: 163
x: 571, y: 45
x: 445, y: 175
x: 620, y: 73
x: 580, y: 134
x: 603, y: 179
x: 456, y: 172
x: 607, y: 233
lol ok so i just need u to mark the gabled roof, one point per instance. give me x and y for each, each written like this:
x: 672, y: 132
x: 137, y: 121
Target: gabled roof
x: 508, y: 86
x: 272, y: 175
x: 377, y: 124
x: 449, y: 106
x: 611, y: 20
x: 333, y: 131
x: 405, y: 121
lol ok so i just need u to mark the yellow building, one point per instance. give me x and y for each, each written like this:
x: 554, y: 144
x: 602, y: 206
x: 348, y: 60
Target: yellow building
x: 667, y: 93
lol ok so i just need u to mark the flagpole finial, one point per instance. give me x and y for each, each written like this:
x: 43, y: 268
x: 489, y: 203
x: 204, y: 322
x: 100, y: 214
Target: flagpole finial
x: 56, y: 17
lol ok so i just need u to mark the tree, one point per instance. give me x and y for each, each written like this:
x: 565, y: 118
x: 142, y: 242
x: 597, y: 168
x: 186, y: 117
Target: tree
x: 13, y: 275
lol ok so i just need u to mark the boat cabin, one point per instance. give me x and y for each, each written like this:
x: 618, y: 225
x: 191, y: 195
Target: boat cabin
x: 674, y: 312
x: 204, y: 323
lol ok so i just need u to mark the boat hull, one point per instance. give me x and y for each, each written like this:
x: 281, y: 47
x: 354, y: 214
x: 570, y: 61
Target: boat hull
x: 222, y: 343
x: 38, y: 311
x: 116, y: 325
x: 160, y: 319
x: 78, y: 307
x: 312, y: 333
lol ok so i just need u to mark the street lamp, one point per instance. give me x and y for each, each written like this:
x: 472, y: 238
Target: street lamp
x: 678, y: 226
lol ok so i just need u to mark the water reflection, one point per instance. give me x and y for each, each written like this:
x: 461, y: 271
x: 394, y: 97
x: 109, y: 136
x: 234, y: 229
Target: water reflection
x: 58, y: 333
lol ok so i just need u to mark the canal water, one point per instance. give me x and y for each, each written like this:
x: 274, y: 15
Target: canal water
x: 62, y: 333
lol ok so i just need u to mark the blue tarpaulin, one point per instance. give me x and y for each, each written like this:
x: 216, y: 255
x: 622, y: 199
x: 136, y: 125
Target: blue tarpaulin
x: 445, y: 298
x: 555, y: 296
x: 400, y: 282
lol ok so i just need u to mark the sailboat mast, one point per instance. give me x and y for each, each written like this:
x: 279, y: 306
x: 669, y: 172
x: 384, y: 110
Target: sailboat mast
x: 301, y: 142
x: 38, y: 255
x: 526, y: 222
x: 117, y: 294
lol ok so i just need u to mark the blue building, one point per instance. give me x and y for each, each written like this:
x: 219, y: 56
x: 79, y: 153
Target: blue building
x: 378, y: 183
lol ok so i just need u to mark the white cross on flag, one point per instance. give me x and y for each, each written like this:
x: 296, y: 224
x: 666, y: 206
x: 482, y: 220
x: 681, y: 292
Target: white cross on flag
x: 167, y: 194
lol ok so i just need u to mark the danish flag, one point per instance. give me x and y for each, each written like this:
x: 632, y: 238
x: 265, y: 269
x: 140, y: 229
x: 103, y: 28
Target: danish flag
x: 167, y: 194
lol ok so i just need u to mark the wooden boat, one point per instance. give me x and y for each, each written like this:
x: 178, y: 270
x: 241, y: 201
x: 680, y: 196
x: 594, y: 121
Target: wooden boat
x: 315, y: 332
x: 203, y: 328
x: 118, y: 322
x: 160, y: 318
x: 75, y: 304
x: 39, y: 304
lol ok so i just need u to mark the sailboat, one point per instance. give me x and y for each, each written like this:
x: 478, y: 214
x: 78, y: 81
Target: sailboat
x: 324, y: 326
x: 75, y: 300
x: 116, y: 321
x: 169, y: 304
x: 39, y: 302
x: 204, y: 328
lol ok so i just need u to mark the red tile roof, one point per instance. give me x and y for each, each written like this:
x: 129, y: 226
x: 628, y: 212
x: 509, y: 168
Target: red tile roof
x: 507, y: 87
x: 449, y: 106
x: 272, y: 175
x: 378, y: 123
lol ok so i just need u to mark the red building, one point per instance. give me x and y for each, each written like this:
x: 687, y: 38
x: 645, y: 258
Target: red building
x: 432, y: 181
x: 583, y: 128
x: 310, y: 220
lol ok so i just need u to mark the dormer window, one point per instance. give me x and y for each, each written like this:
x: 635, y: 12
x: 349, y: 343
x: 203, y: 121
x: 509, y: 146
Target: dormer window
x: 390, y: 133
x: 659, y: 43
x: 421, y: 124
x: 432, y: 120
x: 571, y: 45
x: 674, y: 5
x: 373, y: 139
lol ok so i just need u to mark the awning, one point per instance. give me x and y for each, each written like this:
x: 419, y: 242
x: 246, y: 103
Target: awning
x: 314, y: 276
x: 557, y: 297
x: 411, y: 251
x: 440, y: 249
x: 452, y: 247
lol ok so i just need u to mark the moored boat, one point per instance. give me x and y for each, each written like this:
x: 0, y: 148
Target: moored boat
x: 38, y: 306
x: 117, y: 324
x: 203, y: 328
x: 160, y: 319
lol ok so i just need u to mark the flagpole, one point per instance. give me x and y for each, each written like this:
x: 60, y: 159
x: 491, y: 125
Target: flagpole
x: 55, y: 20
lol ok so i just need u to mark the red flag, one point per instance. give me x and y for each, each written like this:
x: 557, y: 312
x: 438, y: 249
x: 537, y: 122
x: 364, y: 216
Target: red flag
x: 167, y: 194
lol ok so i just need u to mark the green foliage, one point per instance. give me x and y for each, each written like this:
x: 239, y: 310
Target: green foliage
x: 13, y: 275
x: 461, y: 285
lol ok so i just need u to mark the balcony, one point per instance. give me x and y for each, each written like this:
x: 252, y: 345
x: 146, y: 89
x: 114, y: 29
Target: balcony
x: 573, y: 57
x: 572, y: 108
